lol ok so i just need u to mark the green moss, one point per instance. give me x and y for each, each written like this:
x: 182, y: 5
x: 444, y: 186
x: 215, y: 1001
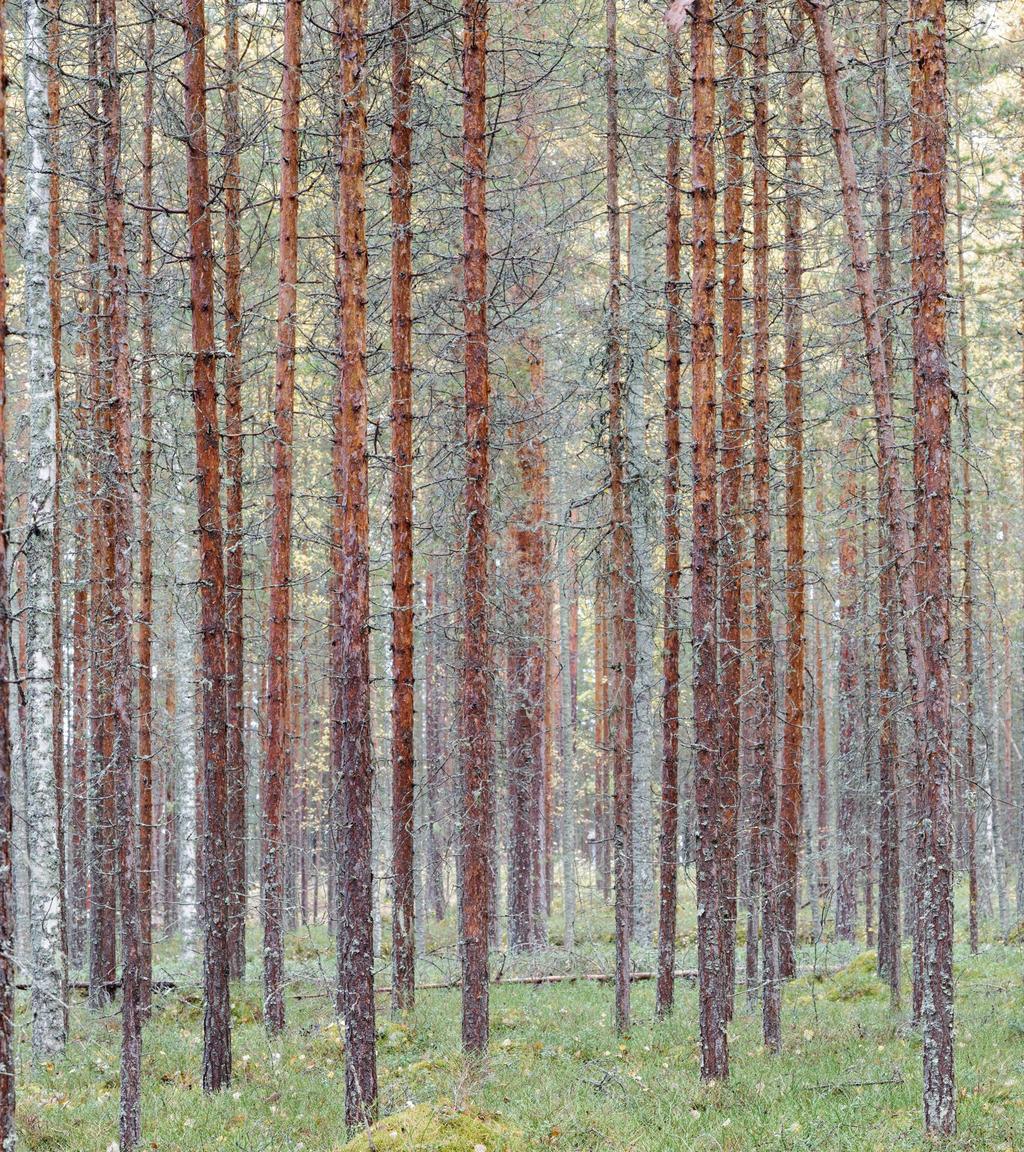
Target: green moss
x: 433, y: 1128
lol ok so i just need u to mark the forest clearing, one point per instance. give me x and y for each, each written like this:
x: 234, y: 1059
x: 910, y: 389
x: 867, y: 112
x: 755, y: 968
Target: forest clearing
x: 511, y: 575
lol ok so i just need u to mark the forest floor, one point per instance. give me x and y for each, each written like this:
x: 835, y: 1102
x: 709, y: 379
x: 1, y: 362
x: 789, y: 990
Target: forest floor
x: 849, y: 1077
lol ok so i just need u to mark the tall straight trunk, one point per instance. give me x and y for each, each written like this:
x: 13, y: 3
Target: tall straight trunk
x: 402, y: 620
x: 354, y: 770
x: 181, y: 717
x: 475, y: 805
x: 78, y: 876
x: 637, y: 484
x: 7, y: 904
x: 119, y: 479
x: 217, y: 1014
x: 602, y: 848
x: 711, y: 960
x: 764, y: 702
x: 791, y: 801
x: 56, y: 336
x: 733, y: 527
x: 234, y: 553
x: 847, y: 824
x: 865, y: 813
x: 929, y: 132
x: 102, y: 891
x: 821, y: 821
x: 145, y: 631
x: 970, y: 767
x: 668, y: 847
x: 889, y: 948
x: 566, y: 565
x: 278, y: 762
x: 49, y: 1027
x: 622, y: 640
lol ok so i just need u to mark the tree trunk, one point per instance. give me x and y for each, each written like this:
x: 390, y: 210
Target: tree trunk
x: 354, y: 770
x: 145, y: 656
x: 764, y: 702
x: 119, y: 480
x: 234, y: 553
x: 402, y: 610
x: 711, y: 960
x: 929, y: 133
x: 278, y: 764
x: 847, y: 829
x: 8, y: 1054
x: 733, y: 528
x: 622, y: 644
x: 475, y: 806
x: 217, y: 1014
x: 49, y: 1030
x: 668, y: 848
x: 791, y: 803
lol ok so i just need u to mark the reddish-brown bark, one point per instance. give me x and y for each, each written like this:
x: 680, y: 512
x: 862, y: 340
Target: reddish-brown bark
x: 668, y: 848
x: 234, y: 556
x: 119, y: 479
x: 929, y: 134
x: 354, y: 768
x: 278, y: 761
x: 733, y: 527
x: 791, y: 782
x: 217, y: 1013
x: 622, y: 621
x: 704, y: 554
x: 402, y: 620
x: 475, y: 807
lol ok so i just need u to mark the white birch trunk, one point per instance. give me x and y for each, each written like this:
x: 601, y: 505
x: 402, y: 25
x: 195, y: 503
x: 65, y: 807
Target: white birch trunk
x: 47, y: 965
x: 185, y: 741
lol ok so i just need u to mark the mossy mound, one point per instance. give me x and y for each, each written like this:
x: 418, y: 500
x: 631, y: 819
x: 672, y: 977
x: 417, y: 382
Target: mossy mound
x: 434, y: 1128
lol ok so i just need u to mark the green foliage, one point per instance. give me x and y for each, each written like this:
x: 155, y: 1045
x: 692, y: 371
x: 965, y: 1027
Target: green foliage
x: 437, y: 1128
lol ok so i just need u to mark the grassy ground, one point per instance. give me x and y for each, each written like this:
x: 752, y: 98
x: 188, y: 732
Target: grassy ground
x: 557, y: 1077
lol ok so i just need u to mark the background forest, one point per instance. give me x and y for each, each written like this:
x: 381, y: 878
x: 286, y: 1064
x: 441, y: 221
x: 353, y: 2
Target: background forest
x: 514, y: 517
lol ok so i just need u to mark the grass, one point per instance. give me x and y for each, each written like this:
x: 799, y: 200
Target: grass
x: 848, y: 1080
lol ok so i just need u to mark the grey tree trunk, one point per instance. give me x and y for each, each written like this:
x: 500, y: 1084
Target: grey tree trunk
x: 185, y: 738
x: 49, y: 1028
x: 639, y: 482
x: 567, y: 735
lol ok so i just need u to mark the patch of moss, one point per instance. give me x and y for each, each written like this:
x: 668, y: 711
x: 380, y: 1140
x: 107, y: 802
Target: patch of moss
x: 432, y: 1128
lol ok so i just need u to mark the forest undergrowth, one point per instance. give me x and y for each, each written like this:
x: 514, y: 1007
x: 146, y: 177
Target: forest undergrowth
x: 848, y: 1079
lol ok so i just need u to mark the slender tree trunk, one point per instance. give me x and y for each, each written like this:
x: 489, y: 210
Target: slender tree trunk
x: 847, y: 830
x: 566, y: 564
x: 234, y: 553
x: 122, y: 677
x: 49, y: 1030
x: 733, y: 528
x: 889, y: 946
x: 352, y: 588
x: 217, y: 1015
x: 78, y: 878
x: 764, y: 654
x: 791, y: 784
x: 622, y: 595
x: 711, y: 961
x: 970, y: 767
x: 278, y: 764
x: 475, y: 836
x: 145, y: 630
x: 929, y: 132
x: 7, y: 902
x: 402, y: 619
x: 53, y: 272
x: 668, y: 848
